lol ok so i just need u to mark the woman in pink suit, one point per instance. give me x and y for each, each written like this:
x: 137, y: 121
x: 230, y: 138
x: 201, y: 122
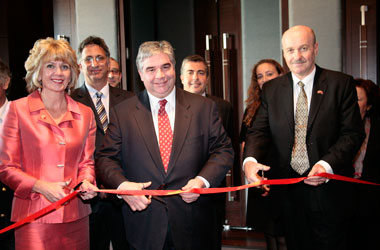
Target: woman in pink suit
x: 47, y: 144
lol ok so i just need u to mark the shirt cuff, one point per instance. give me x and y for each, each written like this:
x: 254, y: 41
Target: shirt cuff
x: 207, y: 184
x: 248, y: 159
x: 326, y: 166
x: 118, y: 188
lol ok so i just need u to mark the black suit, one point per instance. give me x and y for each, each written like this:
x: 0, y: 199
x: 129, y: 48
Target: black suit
x: 366, y: 230
x: 200, y: 148
x: 7, y: 240
x: 226, y: 114
x: 106, y: 217
x: 316, y: 216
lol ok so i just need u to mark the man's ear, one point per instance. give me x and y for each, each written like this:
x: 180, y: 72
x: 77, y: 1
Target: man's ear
x: 6, y: 83
x: 141, y: 78
x: 181, y: 77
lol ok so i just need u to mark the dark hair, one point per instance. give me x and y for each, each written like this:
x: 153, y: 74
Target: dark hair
x: 94, y: 40
x: 5, y: 73
x: 371, y: 90
x: 193, y: 58
x: 254, y: 100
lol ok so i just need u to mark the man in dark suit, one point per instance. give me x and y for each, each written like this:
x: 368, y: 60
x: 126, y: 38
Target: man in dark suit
x: 317, y: 211
x: 165, y: 138
x: 106, y: 218
x: 195, y: 77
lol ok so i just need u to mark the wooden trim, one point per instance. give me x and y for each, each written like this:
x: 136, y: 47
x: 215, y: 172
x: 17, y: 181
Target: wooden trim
x: 122, y: 48
x: 284, y: 25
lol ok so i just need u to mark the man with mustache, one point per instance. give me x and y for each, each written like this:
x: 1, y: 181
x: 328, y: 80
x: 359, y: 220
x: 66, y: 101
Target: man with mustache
x: 310, y: 120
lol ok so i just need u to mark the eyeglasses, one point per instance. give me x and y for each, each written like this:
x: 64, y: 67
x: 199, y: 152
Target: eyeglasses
x: 99, y: 59
x: 115, y: 71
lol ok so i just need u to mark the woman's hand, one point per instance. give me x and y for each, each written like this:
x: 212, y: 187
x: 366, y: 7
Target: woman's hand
x: 53, y: 191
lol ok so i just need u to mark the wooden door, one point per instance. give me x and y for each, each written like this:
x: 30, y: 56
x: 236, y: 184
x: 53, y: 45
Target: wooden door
x: 221, y: 21
x: 361, y: 53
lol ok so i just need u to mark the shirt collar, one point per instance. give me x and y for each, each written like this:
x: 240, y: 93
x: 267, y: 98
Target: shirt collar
x: 154, y: 105
x: 308, y: 80
x: 105, y: 91
x: 2, y: 108
x: 35, y: 104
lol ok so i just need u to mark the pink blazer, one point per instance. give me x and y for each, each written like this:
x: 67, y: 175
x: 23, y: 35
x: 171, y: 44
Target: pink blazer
x: 33, y: 147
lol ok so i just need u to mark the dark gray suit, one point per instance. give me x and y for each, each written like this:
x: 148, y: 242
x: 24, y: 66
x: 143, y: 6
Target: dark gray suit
x: 200, y: 147
x: 106, y: 218
x: 334, y: 134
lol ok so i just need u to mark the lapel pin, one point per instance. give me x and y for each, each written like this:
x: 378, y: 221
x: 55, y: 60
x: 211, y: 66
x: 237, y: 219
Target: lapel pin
x: 320, y: 92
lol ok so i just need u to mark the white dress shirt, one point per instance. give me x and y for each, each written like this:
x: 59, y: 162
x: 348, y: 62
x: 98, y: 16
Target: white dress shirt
x: 4, y: 110
x: 105, y: 97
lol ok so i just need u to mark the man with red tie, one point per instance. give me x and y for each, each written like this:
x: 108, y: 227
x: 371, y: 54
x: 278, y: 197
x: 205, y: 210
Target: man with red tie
x: 167, y: 138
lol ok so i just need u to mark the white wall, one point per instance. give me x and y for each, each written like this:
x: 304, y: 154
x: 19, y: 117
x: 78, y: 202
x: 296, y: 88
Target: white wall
x: 324, y: 17
x: 261, y: 31
x: 261, y: 35
x: 79, y: 19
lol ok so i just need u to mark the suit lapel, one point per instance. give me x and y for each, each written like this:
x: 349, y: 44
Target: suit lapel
x: 318, y: 93
x: 85, y: 98
x: 181, y: 126
x: 287, y: 100
x: 114, y: 97
x: 144, y: 121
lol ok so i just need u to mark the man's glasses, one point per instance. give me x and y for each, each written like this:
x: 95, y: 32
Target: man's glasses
x: 115, y: 71
x: 90, y: 60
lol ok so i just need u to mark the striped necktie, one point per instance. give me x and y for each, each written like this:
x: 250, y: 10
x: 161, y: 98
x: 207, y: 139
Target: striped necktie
x: 300, y: 159
x: 101, y: 111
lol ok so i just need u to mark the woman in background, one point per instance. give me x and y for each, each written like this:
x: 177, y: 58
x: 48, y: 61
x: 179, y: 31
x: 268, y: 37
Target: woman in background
x: 366, y: 228
x: 46, y: 148
x: 261, y: 214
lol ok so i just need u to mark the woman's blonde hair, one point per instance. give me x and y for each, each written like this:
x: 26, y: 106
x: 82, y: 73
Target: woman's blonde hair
x: 46, y: 50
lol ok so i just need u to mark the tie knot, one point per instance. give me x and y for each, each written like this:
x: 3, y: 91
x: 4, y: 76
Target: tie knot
x: 99, y: 95
x: 301, y: 84
x: 162, y: 103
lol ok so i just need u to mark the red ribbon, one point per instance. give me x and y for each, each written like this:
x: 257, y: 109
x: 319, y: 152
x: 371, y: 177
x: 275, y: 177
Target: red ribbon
x: 60, y: 203
x: 54, y: 206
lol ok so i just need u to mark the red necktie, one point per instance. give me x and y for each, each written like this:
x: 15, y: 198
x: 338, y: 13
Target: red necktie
x: 165, y: 135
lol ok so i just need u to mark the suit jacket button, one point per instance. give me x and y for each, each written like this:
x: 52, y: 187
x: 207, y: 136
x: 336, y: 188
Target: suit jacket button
x: 2, y: 215
x: 3, y: 189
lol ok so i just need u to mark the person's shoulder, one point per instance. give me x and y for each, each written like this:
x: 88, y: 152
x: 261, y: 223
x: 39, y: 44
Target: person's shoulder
x: 81, y: 107
x: 220, y: 101
x: 193, y: 98
x: 78, y: 91
x: 332, y: 75
x: 121, y: 92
